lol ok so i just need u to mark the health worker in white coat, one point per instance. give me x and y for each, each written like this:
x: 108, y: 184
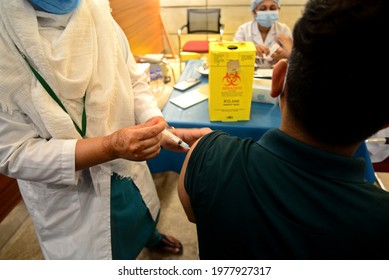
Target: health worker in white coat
x: 77, y: 123
x: 379, y: 151
x: 266, y: 32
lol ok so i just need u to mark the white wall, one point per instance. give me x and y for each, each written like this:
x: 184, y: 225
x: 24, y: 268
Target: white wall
x: 234, y: 13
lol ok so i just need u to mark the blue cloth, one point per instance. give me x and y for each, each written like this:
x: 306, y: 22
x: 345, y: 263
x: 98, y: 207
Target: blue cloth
x: 132, y: 227
x: 56, y: 6
x: 369, y: 170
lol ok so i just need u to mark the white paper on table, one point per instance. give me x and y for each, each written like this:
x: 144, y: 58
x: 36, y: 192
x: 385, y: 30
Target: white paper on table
x: 263, y: 73
x: 188, y: 99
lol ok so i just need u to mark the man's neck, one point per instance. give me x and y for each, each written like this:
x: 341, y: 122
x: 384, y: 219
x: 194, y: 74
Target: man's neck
x: 293, y: 130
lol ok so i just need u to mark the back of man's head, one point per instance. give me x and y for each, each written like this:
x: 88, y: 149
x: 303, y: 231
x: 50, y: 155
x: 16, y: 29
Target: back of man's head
x: 336, y: 89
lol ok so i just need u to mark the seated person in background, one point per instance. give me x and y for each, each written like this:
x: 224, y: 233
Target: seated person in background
x: 379, y: 152
x: 265, y: 31
x: 298, y: 193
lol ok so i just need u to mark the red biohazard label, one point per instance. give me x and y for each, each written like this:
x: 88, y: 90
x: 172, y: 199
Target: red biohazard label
x: 231, y: 79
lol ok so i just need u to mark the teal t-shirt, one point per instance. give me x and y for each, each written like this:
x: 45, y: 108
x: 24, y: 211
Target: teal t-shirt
x: 279, y: 198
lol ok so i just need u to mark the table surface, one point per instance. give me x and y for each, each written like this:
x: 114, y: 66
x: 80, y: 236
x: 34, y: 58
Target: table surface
x: 262, y: 117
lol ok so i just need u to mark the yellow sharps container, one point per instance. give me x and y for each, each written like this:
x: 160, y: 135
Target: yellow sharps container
x: 231, y: 73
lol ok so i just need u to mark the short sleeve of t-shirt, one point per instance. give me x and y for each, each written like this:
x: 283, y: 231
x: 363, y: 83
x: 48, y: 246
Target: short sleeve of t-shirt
x: 213, y: 161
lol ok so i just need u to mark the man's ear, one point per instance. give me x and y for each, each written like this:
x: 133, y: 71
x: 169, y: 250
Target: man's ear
x: 277, y: 82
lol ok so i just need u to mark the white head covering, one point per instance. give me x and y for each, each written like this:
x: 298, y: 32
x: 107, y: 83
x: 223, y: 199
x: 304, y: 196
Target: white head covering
x: 255, y: 3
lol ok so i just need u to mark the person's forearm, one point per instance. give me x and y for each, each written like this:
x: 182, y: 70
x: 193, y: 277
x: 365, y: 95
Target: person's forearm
x: 93, y: 151
x: 137, y: 143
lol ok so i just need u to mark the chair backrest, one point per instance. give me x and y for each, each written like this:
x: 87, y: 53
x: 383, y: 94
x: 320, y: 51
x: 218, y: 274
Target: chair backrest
x: 203, y: 20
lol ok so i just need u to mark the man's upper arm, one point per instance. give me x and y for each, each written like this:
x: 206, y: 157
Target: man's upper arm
x: 182, y: 194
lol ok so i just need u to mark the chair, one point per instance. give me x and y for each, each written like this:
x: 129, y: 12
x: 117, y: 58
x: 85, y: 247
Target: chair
x: 199, y: 21
x: 382, y: 166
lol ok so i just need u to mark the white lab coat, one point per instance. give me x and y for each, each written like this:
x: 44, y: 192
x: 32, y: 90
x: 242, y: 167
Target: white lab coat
x: 379, y: 152
x: 70, y: 210
x: 249, y: 32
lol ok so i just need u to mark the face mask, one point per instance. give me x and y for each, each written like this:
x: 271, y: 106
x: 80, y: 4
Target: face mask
x: 56, y: 6
x: 266, y: 18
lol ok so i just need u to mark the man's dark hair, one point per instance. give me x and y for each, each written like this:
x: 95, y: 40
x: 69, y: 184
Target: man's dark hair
x: 336, y: 86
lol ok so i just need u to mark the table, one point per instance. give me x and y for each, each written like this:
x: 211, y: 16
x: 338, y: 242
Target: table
x: 262, y: 118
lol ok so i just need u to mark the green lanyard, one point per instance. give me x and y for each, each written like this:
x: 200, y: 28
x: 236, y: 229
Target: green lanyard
x: 56, y: 99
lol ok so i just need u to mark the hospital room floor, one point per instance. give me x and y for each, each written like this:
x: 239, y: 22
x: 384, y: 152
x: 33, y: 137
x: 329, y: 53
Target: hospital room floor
x: 19, y: 242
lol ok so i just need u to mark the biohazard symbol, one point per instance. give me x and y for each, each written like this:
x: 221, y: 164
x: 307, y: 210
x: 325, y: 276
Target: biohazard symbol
x: 231, y: 79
